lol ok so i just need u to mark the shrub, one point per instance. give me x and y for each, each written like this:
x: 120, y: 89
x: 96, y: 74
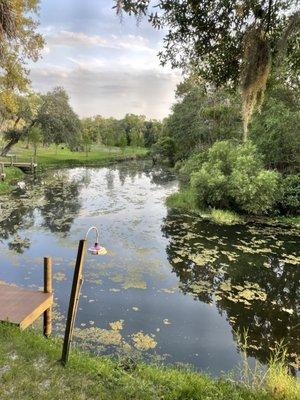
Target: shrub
x: 233, y: 175
x: 191, y: 165
x: 210, y: 186
x: 289, y: 202
x: 254, y: 193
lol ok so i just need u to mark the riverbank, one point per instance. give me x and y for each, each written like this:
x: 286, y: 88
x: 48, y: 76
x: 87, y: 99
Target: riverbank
x: 52, y: 157
x: 29, y: 369
x: 184, y: 200
x: 61, y: 156
x: 12, y: 175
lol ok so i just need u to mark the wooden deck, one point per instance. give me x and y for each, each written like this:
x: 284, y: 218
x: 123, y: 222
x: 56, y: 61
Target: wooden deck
x: 11, y: 161
x: 22, y: 306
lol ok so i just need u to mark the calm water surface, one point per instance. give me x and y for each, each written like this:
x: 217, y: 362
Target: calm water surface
x: 172, y: 286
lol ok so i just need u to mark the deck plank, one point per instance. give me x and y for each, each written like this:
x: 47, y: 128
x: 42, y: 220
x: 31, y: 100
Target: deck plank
x: 22, y: 306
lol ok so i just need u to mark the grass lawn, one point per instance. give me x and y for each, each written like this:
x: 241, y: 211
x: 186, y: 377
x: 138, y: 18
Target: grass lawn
x: 29, y: 369
x: 62, y: 156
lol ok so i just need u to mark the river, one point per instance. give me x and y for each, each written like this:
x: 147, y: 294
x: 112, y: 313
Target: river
x: 173, y: 287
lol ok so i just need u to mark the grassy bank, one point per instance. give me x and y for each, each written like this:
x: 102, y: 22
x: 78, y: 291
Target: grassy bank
x: 61, y: 156
x: 29, y: 369
x: 12, y: 175
x: 185, y: 200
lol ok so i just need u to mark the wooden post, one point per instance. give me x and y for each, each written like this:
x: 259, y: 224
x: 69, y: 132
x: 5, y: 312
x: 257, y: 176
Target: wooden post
x: 48, y: 289
x: 11, y: 160
x: 2, y: 173
x: 74, y: 299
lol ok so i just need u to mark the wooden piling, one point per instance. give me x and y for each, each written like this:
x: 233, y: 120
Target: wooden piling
x: 2, y: 173
x: 74, y: 299
x: 48, y: 289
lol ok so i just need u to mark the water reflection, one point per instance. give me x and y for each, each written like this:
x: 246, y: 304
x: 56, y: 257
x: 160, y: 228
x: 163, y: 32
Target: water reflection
x: 62, y: 204
x: 152, y: 288
x: 249, y: 272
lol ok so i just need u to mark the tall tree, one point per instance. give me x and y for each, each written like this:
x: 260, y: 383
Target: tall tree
x: 226, y: 41
x: 19, y: 42
x: 53, y: 115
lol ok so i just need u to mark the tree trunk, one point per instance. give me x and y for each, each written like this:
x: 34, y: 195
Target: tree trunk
x: 10, y: 144
x: 15, y: 139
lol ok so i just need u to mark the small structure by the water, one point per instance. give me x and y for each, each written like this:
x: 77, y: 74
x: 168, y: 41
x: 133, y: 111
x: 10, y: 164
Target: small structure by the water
x: 27, y: 166
x: 22, y: 307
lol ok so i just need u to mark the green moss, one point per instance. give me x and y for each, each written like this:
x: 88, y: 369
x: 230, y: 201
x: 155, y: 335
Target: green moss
x: 12, y: 175
x: 30, y: 369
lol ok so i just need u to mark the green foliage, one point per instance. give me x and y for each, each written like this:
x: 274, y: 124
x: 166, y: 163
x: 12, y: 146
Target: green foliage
x: 12, y: 175
x: 201, y: 117
x: 225, y: 217
x: 276, y: 129
x: 210, y: 35
x: 165, y: 148
x: 19, y: 42
x: 152, y: 132
x: 35, y: 137
x: 254, y: 194
x: 233, y: 176
x: 185, y: 200
x: 192, y: 164
x: 58, y: 121
x: 289, y: 202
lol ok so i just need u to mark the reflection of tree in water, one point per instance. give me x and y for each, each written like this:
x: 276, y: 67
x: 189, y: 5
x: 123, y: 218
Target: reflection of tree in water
x: 62, y: 203
x: 110, y: 178
x: 19, y: 245
x: 251, y: 277
x: 17, y: 216
x: 160, y: 176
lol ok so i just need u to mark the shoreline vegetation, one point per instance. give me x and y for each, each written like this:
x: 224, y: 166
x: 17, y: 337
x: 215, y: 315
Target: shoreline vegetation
x: 184, y: 200
x: 30, y: 368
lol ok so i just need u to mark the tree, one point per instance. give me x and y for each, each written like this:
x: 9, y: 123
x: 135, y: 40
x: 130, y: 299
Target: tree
x: 53, y: 114
x: 134, y: 128
x: 87, y: 134
x: 165, y: 148
x: 19, y: 42
x: 275, y: 130
x: 152, y: 131
x: 35, y: 138
x: 225, y: 42
x: 202, y: 116
x: 123, y: 141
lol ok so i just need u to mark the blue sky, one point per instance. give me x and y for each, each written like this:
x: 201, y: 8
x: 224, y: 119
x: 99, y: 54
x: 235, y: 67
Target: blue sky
x: 108, y: 67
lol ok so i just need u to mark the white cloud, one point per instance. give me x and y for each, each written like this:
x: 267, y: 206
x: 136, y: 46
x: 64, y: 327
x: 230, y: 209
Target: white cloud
x: 111, y: 92
x: 79, y: 39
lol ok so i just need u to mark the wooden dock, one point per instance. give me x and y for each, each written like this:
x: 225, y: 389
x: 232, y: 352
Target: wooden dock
x: 22, y: 307
x: 28, y: 166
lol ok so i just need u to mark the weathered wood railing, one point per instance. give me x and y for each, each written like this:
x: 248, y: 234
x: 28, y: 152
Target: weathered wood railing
x: 13, y: 160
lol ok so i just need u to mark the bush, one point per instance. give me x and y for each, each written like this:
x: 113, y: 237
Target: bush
x: 210, y: 186
x: 233, y: 176
x: 165, y: 148
x: 289, y: 202
x: 254, y: 194
x: 192, y: 164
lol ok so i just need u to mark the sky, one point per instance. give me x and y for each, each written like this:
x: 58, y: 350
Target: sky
x: 108, y: 67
